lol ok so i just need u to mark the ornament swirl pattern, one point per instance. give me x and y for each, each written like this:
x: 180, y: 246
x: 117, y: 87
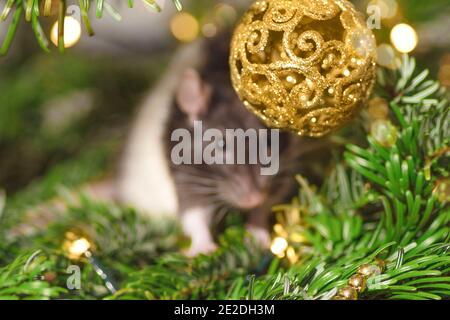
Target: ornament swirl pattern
x: 303, y: 65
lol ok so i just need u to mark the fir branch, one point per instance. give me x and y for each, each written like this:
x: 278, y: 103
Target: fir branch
x: 21, y: 279
x: 418, y: 101
x: 412, y: 231
x: 204, y: 277
x: 380, y: 203
x: 414, y: 275
x: 120, y: 235
x: 31, y: 10
x: 123, y: 240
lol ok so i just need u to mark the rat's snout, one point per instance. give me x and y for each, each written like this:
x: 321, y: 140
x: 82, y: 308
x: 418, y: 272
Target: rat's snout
x: 252, y: 199
x: 245, y: 193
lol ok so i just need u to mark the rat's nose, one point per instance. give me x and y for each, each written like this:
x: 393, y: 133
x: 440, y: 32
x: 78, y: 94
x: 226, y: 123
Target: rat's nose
x: 252, y: 199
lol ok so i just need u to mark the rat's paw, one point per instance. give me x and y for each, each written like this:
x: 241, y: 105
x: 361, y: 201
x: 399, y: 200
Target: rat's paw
x: 261, y: 235
x: 201, y: 248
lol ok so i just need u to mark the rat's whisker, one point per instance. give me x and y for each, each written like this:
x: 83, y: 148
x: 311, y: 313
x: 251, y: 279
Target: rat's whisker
x: 199, y: 188
x: 193, y: 173
x: 196, y: 179
x: 189, y: 182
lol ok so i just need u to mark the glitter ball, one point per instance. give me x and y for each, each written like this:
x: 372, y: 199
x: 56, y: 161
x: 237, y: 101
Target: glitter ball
x: 318, y: 65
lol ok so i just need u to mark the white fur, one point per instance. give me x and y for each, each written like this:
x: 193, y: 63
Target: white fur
x: 195, y: 222
x: 145, y: 181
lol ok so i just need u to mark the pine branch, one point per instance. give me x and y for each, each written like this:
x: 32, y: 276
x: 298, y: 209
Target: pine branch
x: 122, y: 240
x: 204, y: 277
x: 22, y: 279
x: 402, y: 173
x: 414, y: 274
x: 31, y: 10
x: 418, y: 101
x: 119, y: 234
x: 394, y: 185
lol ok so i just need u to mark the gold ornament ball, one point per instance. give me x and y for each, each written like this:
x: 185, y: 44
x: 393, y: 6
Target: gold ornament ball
x: 303, y: 65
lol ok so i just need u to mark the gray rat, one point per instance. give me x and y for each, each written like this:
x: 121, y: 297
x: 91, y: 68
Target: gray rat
x: 197, y: 87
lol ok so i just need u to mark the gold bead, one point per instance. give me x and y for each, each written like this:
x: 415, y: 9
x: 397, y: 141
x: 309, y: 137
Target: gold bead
x: 358, y: 282
x: 312, y: 50
x: 442, y: 190
x: 348, y: 293
x: 368, y: 270
x: 381, y: 263
x: 378, y: 108
x: 384, y: 132
x: 338, y: 298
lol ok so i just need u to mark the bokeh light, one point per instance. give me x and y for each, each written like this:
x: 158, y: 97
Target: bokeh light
x: 184, y: 27
x: 209, y: 30
x: 404, y: 38
x: 387, y: 56
x: 78, y: 247
x: 388, y: 8
x: 72, y: 32
x: 225, y: 13
x: 279, y: 246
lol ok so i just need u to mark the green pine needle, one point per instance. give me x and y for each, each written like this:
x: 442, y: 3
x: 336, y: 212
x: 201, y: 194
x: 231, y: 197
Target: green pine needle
x: 32, y: 12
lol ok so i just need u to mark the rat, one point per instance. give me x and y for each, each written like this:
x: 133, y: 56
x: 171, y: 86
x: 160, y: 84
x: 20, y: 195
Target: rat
x: 197, y: 87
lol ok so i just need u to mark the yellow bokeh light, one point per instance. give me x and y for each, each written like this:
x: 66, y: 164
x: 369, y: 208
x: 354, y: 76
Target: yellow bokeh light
x: 388, y: 8
x: 292, y: 255
x: 78, y: 248
x: 387, y: 56
x: 297, y: 237
x: 279, y: 246
x: 184, y: 27
x: 225, y: 13
x: 209, y: 30
x: 72, y: 32
x: 404, y: 38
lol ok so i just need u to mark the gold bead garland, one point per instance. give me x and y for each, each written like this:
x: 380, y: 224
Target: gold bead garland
x: 358, y: 282
x: 347, y: 293
x: 303, y: 65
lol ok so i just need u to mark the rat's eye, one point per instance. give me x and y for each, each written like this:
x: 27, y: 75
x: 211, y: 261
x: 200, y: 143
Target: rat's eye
x: 220, y: 143
x: 220, y: 146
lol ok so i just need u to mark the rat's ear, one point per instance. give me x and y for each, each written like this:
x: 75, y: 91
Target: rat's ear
x: 193, y: 95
